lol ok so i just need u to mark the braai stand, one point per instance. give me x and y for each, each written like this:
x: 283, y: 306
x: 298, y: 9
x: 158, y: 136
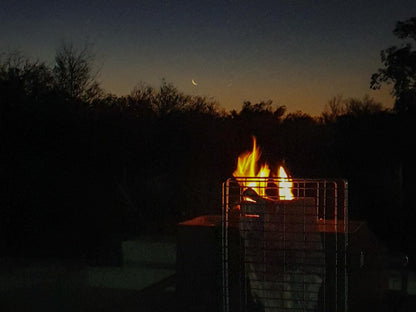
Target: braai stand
x: 265, y: 253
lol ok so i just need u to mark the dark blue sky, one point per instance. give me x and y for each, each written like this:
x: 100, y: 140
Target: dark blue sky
x: 296, y: 53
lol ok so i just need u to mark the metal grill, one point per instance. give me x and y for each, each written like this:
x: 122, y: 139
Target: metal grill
x: 284, y: 255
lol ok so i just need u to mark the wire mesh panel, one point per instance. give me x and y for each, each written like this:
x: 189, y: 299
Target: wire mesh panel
x: 284, y: 253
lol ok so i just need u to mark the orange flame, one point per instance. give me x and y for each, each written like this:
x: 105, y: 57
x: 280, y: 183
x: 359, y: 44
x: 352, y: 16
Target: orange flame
x: 247, y: 168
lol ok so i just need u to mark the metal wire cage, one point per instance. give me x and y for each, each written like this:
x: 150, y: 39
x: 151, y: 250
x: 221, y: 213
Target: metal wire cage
x: 281, y: 254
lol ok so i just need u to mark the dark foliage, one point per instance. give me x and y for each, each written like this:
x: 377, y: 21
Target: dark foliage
x: 78, y: 174
x: 400, y: 68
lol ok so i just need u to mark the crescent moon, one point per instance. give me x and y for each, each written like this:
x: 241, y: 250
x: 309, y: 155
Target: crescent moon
x: 194, y: 82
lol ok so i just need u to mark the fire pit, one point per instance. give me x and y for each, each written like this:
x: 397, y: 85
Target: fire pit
x: 286, y: 262
x: 288, y: 254
x: 279, y: 245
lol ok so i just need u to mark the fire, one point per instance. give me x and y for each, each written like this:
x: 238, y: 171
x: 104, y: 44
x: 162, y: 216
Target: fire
x: 285, y: 185
x: 247, y: 168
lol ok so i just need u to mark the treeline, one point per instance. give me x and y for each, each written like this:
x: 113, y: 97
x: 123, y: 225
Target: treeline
x: 81, y: 168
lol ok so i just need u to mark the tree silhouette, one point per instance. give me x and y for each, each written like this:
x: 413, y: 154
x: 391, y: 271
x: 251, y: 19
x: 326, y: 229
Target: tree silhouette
x: 74, y: 73
x: 338, y: 107
x: 333, y: 109
x: 134, y: 163
x: 22, y: 79
x: 169, y: 99
x: 366, y: 106
x: 400, y: 68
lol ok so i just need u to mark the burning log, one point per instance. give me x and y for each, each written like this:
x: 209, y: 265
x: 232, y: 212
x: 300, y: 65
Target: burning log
x: 282, y: 251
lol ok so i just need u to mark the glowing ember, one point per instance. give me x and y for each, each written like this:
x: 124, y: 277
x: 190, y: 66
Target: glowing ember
x: 247, y: 168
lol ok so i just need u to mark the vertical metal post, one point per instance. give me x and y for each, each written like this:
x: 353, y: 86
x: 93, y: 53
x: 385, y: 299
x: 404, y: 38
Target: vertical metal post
x: 325, y: 227
x: 224, y: 237
x: 336, y: 244
x: 317, y: 200
x: 346, y: 242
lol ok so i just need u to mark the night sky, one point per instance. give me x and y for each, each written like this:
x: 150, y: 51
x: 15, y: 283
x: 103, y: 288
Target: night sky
x: 296, y: 53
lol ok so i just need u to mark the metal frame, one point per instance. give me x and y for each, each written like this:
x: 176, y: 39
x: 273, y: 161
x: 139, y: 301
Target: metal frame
x: 320, y: 211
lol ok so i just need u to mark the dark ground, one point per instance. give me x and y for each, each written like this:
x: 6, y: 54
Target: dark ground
x: 158, y: 297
